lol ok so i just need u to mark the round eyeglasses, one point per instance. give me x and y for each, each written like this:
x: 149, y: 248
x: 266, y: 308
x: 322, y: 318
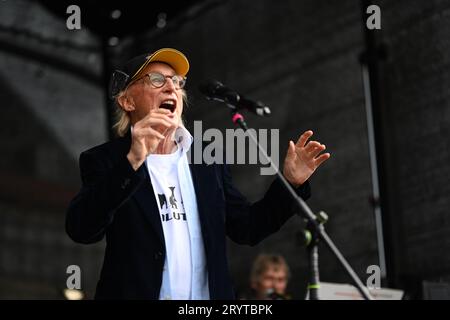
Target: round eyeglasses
x: 158, y: 80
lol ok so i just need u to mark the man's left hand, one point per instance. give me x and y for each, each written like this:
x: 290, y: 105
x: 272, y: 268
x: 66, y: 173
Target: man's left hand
x: 303, y: 158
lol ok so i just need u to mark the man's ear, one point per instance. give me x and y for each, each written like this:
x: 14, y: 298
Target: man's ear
x: 126, y: 102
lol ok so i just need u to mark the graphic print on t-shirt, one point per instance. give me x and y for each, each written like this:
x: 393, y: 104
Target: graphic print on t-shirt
x: 169, y: 209
x: 172, y: 199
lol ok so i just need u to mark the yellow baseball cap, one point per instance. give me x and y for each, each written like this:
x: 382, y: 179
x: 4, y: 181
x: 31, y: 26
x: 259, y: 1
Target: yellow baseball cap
x: 133, y: 68
x: 174, y: 58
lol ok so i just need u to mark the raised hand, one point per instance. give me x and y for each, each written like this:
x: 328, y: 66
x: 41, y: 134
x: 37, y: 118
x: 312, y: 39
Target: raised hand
x: 303, y: 158
x: 148, y: 133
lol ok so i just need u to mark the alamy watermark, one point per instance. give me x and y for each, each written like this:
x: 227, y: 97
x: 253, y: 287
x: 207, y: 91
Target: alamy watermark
x: 374, y: 280
x: 236, y: 147
x: 374, y: 20
x: 74, y: 280
x: 73, y: 22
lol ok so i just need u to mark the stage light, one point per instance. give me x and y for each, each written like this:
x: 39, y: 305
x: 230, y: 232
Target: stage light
x: 113, y: 41
x: 73, y: 294
x: 115, y: 14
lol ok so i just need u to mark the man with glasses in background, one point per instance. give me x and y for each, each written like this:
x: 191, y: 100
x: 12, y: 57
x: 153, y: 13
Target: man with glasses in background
x: 269, y: 278
x: 165, y: 220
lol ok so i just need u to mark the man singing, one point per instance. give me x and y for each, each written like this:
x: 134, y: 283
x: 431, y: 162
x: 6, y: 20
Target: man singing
x: 166, y: 220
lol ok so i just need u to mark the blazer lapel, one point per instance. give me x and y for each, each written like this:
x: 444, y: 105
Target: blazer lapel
x: 144, y: 195
x: 203, y: 179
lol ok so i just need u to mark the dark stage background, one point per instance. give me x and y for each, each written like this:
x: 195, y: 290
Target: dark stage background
x: 303, y: 59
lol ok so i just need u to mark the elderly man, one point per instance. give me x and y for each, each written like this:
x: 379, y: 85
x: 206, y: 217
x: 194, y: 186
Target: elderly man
x: 166, y: 220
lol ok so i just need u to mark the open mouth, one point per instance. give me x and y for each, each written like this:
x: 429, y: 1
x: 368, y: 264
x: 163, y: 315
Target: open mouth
x: 169, y: 105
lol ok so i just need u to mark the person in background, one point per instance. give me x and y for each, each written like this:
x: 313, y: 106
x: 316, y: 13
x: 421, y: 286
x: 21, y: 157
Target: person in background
x: 269, y: 277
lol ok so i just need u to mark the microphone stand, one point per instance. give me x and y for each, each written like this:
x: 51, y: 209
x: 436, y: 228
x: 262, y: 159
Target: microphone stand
x: 314, y: 224
x: 311, y: 240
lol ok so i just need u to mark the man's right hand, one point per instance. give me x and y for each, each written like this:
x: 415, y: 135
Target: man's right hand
x: 147, y: 133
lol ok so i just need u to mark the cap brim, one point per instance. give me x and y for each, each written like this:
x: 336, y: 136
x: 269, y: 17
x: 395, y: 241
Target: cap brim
x: 174, y: 58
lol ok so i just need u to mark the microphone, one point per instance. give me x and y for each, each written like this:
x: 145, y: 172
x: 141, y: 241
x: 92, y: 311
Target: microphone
x: 215, y: 90
x: 271, y: 294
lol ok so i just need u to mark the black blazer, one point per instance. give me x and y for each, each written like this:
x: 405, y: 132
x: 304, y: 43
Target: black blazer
x: 119, y: 202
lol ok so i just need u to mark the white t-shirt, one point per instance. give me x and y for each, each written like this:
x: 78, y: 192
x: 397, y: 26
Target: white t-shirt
x: 185, y: 274
x: 164, y: 175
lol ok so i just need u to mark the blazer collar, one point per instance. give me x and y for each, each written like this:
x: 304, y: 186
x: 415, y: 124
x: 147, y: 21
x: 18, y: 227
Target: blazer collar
x: 203, y: 176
